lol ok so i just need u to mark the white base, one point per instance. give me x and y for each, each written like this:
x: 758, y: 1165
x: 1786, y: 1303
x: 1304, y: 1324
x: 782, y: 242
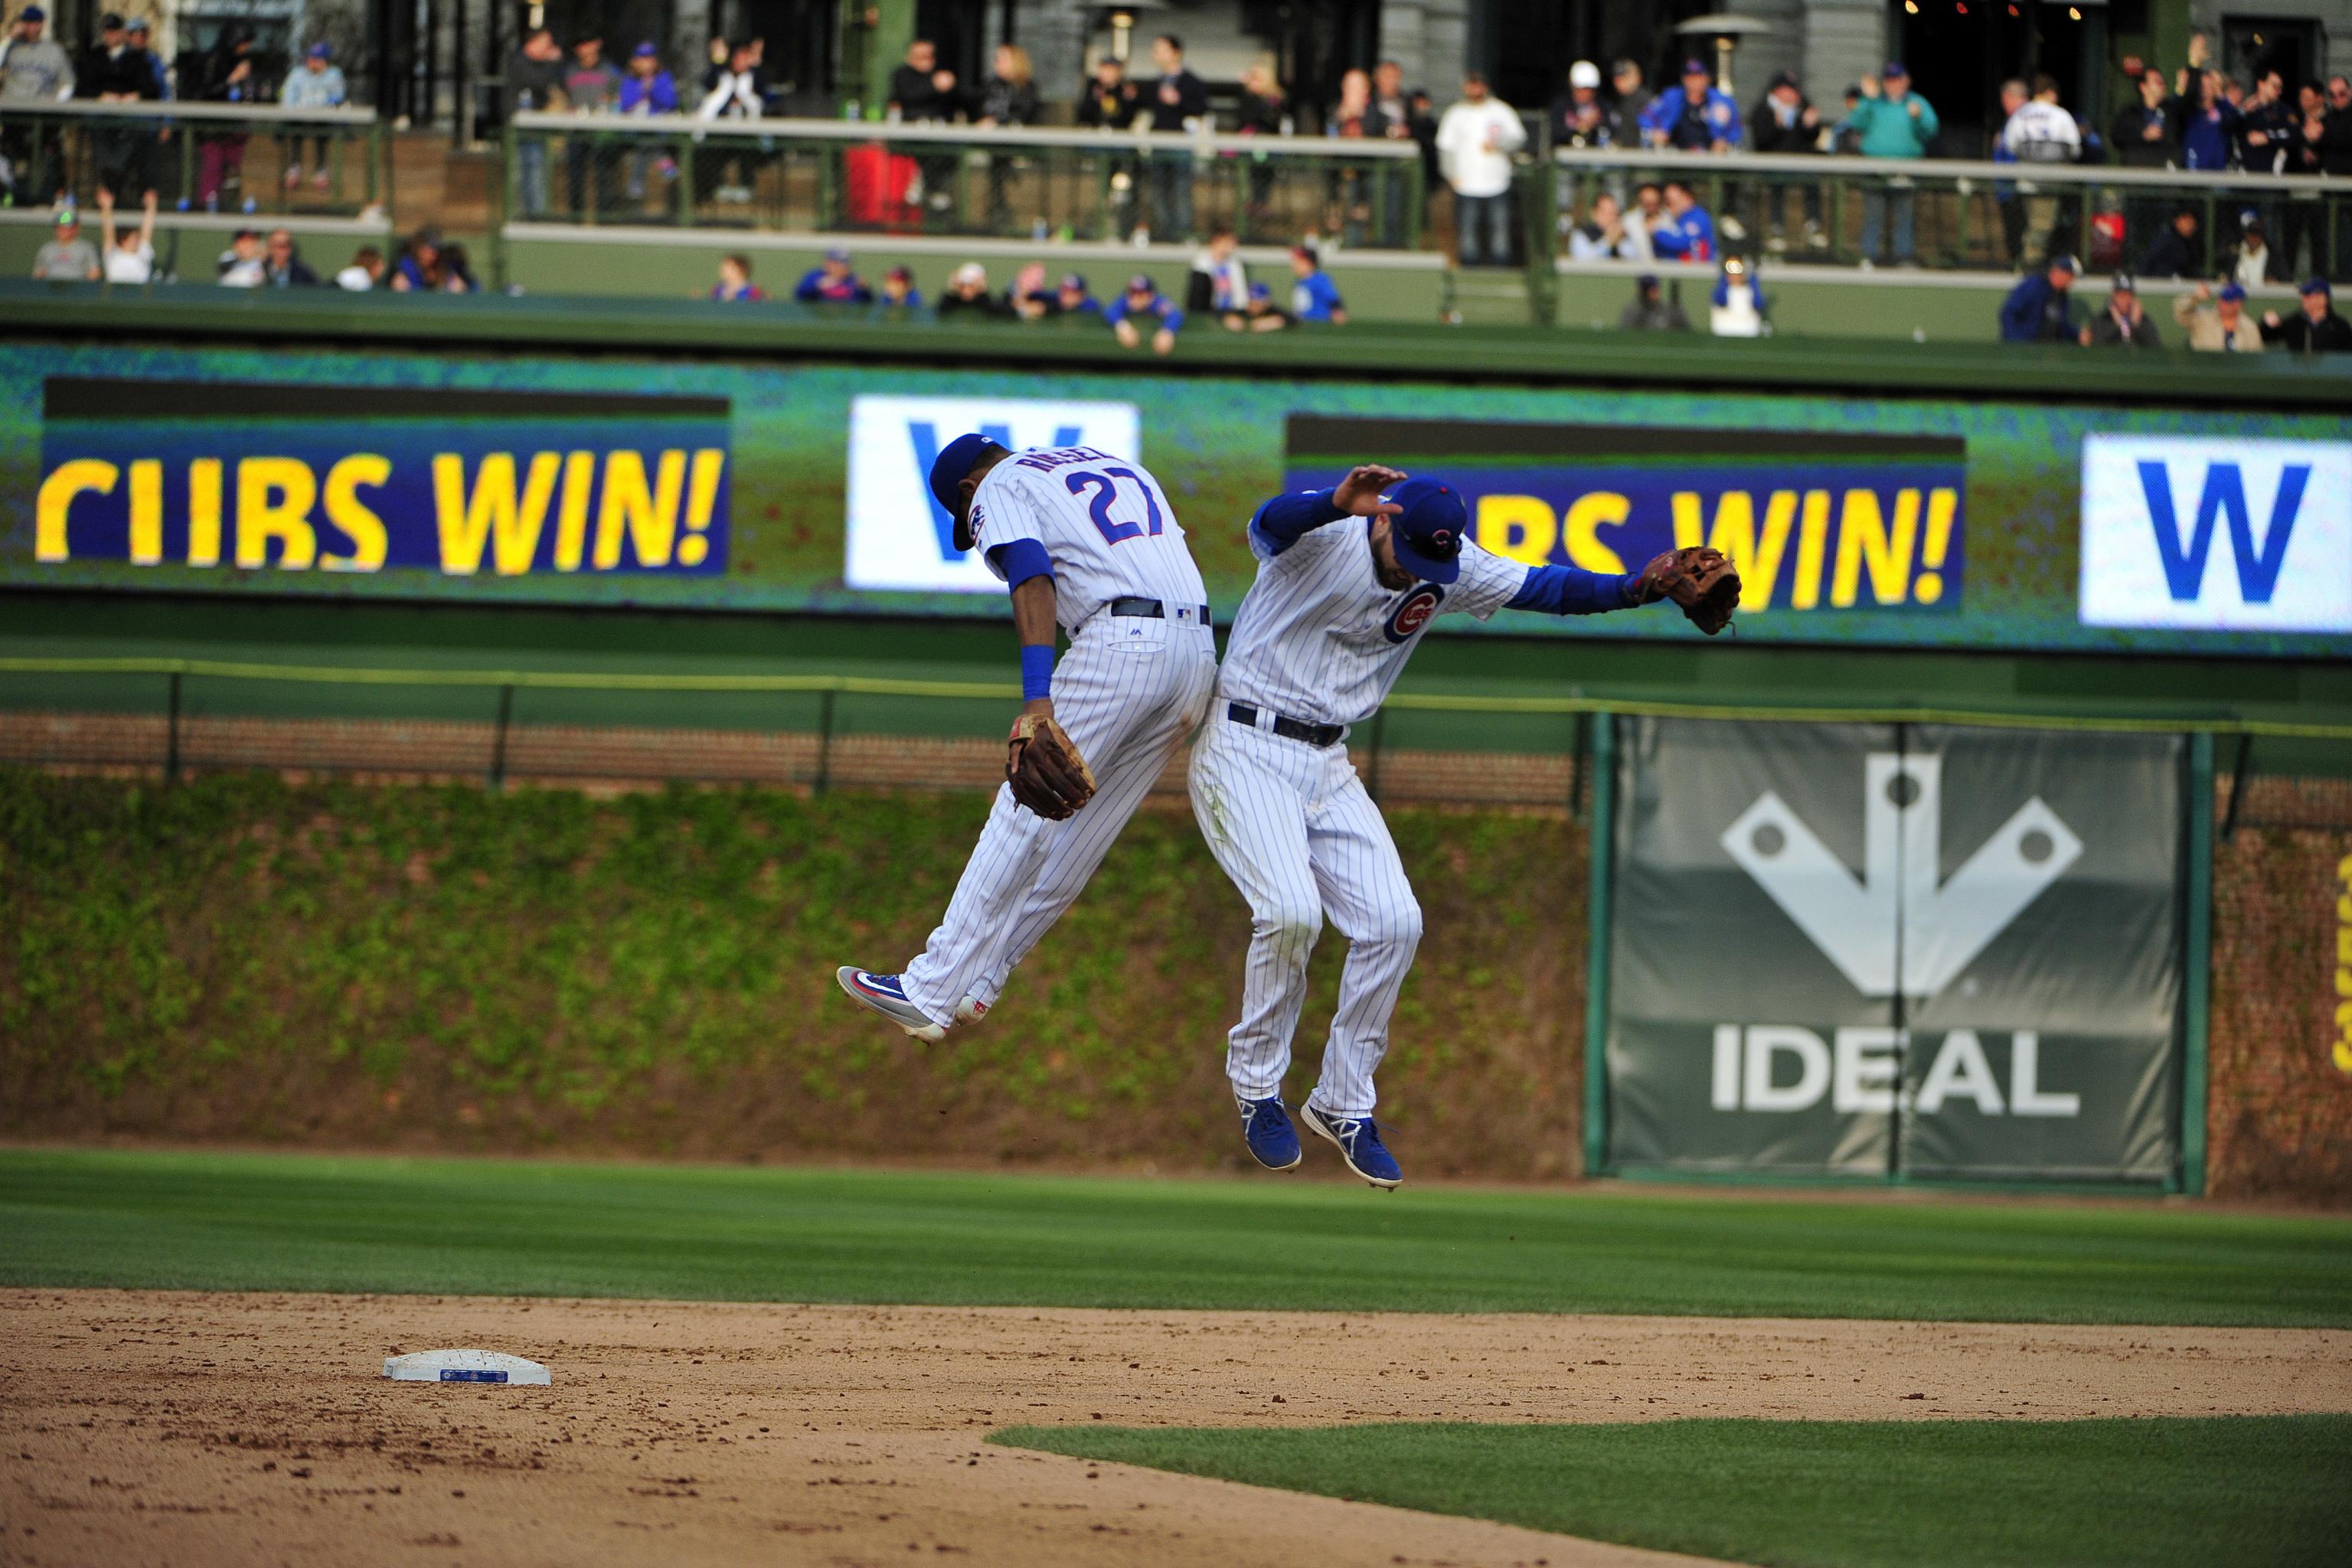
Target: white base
x: 463, y: 1366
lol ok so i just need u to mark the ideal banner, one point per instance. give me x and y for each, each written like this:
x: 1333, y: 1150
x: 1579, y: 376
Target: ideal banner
x: 678, y: 484
x: 1896, y: 950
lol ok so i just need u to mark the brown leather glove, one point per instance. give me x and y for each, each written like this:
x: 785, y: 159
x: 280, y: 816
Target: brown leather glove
x: 1701, y: 580
x: 1044, y: 770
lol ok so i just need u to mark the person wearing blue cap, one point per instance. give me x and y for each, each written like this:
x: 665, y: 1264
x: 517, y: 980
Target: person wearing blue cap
x: 2217, y: 322
x: 1348, y: 579
x: 2314, y: 328
x: 1088, y: 541
x: 2041, y: 309
x: 1701, y: 118
x: 1890, y: 121
x: 1144, y: 302
x: 833, y: 282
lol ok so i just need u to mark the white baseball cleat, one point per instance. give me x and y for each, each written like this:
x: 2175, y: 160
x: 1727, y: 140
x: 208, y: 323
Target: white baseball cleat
x: 883, y: 995
x: 970, y: 1010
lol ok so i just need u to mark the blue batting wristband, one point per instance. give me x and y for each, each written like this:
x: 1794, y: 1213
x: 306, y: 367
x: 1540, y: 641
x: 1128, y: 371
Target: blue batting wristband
x: 1036, y: 671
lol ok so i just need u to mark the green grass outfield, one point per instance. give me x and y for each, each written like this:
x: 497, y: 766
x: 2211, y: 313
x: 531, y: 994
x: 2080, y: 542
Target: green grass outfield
x: 212, y: 1221
x: 2274, y: 1490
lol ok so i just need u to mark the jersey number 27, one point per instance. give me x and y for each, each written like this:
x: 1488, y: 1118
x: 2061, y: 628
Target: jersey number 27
x: 1106, y: 489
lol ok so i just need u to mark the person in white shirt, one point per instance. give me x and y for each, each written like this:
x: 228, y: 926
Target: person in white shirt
x: 365, y: 272
x: 242, y: 265
x: 1608, y: 235
x: 129, y: 258
x: 2039, y: 132
x: 1475, y: 139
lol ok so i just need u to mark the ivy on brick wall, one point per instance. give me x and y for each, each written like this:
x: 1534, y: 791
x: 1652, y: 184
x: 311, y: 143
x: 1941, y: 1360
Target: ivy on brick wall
x: 437, y: 967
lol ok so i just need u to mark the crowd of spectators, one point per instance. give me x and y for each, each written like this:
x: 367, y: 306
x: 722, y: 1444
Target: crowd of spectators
x: 2041, y: 310
x: 1218, y: 292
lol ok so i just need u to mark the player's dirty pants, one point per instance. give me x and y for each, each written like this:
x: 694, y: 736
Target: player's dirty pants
x: 1293, y: 827
x: 1129, y: 690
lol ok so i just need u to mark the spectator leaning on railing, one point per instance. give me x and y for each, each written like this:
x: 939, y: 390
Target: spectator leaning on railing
x: 1219, y: 281
x: 2041, y: 309
x: 1698, y: 119
x: 2314, y: 328
x: 282, y: 266
x: 1630, y: 104
x: 831, y: 281
x: 240, y: 266
x: 1475, y: 143
x: 898, y: 291
x: 1144, y: 302
x: 2124, y: 322
x: 648, y: 89
x: 968, y: 295
x: 228, y: 77
x: 735, y: 285
x: 1891, y: 121
x: 2217, y: 322
x: 317, y: 83
x: 33, y: 69
x: 1110, y: 101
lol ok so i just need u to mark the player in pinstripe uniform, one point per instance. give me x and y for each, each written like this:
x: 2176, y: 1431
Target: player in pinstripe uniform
x: 1086, y: 540
x: 1348, y: 578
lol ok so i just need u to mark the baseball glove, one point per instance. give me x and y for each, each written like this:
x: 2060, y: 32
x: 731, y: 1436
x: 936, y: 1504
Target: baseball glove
x: 1044, y: 770
x: 1701, y: 580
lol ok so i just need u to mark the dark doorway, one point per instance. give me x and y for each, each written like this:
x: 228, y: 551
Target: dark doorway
x: 2254, y: 44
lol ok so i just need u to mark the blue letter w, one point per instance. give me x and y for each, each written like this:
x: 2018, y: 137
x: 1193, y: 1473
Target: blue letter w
x: 925, y: 437
x: 2225, y: 491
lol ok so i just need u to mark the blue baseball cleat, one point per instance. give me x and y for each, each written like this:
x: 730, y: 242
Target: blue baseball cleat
x: 1359, y: 1141
x: 1266, y: 1127
x: 882, y: 993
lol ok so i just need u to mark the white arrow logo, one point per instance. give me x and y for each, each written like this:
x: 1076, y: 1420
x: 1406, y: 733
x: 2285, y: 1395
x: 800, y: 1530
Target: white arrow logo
x: 1856, y: 923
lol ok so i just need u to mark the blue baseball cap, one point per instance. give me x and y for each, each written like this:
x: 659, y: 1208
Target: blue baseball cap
x: 1894, y: 72
x: 1428, y: 531
x: 2232, y: 291
x: 2316, y: 286
x: 320, y: 51
x: 31, y: 14
x: 954, y: 462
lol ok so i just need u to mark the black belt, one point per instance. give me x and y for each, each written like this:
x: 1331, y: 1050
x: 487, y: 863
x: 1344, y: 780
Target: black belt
x: 1288, y: 728
x: 1150, y: 609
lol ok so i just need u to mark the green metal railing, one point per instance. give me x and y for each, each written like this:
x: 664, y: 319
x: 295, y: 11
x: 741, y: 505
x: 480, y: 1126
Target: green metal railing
x: 851, y: 176
x: 224, y: 157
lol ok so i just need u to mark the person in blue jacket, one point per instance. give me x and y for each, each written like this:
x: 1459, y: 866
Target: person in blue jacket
x: 1144, y: 301
x: 831, y: 282
x: 2039, y: 309
x: 1687, y: 233
x: 1701, y: 118
x: 1314, y: 297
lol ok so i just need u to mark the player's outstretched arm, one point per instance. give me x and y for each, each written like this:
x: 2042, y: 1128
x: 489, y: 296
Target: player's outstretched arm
x: 1286, y: 519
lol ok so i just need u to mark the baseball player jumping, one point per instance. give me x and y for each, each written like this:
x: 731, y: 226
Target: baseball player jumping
x: 1088, y: 540
x: 1348, y: 580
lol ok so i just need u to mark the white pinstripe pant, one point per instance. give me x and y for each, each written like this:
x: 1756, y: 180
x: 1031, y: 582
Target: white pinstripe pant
x: 1293, y: 827
x: 1129, y: 690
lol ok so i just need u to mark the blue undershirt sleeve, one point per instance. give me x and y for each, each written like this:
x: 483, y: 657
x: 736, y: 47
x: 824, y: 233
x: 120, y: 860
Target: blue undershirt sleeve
x: 1572, y: 590
x: 1020, y: 560
x: 1286, y: 519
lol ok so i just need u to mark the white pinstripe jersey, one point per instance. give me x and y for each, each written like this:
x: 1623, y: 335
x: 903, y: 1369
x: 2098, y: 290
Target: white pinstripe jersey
x: 1318, y: 638
x: 1105, y: 522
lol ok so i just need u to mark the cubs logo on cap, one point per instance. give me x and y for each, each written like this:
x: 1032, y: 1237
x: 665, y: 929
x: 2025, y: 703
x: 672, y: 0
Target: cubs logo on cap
x: 1428, y: 530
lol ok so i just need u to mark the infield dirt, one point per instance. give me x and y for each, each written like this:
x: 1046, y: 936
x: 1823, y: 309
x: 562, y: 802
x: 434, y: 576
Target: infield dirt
x: 140, y: 1426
